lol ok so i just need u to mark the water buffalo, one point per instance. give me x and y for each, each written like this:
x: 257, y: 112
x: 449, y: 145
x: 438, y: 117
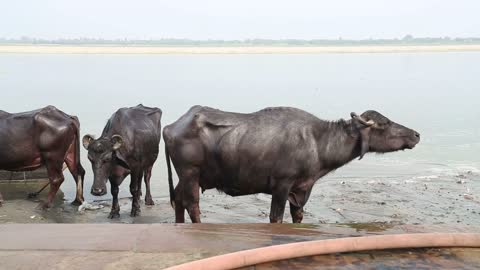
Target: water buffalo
x: 45, y: 137
x: 279, y: 151
x: 128, y: 145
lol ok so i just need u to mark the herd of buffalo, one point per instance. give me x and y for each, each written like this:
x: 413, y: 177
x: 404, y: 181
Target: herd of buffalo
x: 280, y: 151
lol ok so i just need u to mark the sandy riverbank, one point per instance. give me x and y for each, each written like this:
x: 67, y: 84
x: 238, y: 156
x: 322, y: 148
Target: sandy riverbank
x: 92, y: 49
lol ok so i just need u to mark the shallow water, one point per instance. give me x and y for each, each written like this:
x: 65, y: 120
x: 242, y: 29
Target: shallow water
x: 434, y: 93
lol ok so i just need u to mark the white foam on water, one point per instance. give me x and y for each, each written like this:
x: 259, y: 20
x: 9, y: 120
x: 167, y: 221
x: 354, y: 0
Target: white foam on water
x: 407, y: 181
x: 468, y: 168
x: 444, y: 172
x: 427, y: 177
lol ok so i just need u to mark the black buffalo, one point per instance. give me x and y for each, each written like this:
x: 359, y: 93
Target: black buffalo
x: 45, y: 137
x: 278, y: 151
x: 128, y: 145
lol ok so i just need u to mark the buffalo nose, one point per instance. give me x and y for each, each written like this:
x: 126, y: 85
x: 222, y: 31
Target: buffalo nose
x: 98, y: 191
x: 417, y: 134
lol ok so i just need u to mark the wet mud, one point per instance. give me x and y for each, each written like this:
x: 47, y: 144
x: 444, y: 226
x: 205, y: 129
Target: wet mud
x: 448, y: 200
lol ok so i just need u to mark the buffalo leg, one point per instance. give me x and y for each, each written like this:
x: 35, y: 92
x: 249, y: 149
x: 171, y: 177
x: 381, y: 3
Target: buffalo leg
x: 279, y: 200
x: 179, y: 208
x: 187, y: 195
x: 297, y: 213
x: 78, y: 174
x: 298, y: 198
x: 1, y: 199
x: 135, y: 184
x: 190, y: 197
x: 116, y: 178
x: 193, y: 199
x: 148, y: 195
x: 115, y: 212
x: 55, y: 175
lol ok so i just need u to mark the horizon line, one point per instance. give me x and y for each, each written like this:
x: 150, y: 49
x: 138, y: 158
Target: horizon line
x: 407, y: 37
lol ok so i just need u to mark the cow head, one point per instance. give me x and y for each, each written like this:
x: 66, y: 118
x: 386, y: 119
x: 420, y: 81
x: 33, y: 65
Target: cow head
x: 102, y: 155
x: 381, y: 135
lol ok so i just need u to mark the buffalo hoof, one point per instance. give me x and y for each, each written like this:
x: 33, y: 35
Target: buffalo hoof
x: 149, y: 201
x: 114, y: 214
x: 135, y: 212
x: 77, y: 202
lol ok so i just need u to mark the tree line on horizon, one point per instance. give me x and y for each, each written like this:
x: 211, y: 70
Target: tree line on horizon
x: 406, y: 40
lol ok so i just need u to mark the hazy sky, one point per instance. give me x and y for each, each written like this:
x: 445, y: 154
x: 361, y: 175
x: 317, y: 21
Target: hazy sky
x: 240, y: 19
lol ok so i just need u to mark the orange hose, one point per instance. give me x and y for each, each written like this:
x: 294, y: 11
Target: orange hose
x: 320, y: 247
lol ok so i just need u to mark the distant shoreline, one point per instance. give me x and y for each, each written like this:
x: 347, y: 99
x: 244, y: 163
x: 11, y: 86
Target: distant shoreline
x: 122, y: 49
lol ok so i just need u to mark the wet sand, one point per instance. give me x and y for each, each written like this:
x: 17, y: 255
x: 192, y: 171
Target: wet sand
x: 449, y: 200
x: 119, y: 49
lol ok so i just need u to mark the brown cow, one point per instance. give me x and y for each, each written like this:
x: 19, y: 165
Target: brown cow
x: 45, y: 137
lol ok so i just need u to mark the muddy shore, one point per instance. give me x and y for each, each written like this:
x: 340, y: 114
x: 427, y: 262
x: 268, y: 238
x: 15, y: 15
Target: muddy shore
x: 448, y: 200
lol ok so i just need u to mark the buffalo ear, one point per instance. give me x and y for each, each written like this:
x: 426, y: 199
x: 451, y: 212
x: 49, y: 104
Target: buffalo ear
x: 87, y: 140
x: 117, y: 142
x: 360, y: 122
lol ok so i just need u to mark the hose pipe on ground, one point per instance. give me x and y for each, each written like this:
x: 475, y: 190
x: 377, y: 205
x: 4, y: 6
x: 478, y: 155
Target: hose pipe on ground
x: 321, y: 247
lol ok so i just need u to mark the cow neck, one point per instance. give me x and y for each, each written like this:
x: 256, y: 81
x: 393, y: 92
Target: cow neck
x: 356, y: 140
x: 339, y: 142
